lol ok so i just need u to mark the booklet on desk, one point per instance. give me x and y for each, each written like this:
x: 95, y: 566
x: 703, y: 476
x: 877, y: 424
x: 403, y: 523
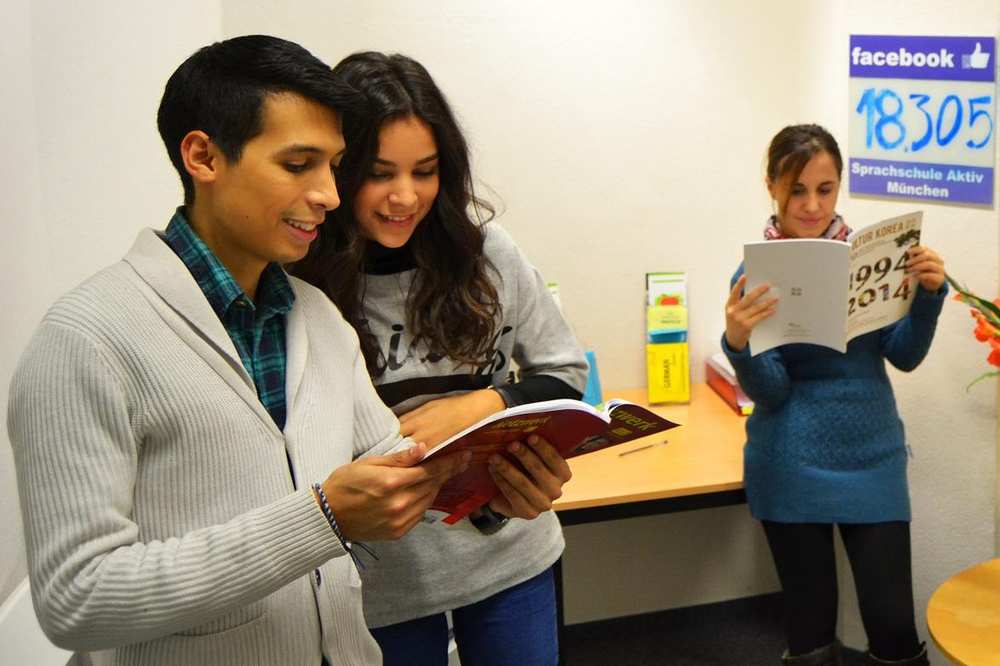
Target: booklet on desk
x: 571, y: 426
x: 830, y: 292
x: 719, y: 374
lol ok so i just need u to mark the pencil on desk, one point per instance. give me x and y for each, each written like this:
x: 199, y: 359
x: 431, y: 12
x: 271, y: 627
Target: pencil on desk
x: 641, y: 448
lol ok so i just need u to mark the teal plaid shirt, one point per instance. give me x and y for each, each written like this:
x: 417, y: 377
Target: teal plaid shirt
x: 257, y: 330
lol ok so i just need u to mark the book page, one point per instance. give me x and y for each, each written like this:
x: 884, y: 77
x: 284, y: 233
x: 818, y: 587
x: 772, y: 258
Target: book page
x: 720, y: 362
x: 511, y: 413
x: 626, y: 421
x: 880, y: 291
x: 807, y: 277
x: 571, y: 427
x: 561, y: 423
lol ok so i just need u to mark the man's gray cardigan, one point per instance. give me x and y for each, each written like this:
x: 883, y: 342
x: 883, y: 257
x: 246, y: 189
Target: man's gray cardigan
x: 167, y: 519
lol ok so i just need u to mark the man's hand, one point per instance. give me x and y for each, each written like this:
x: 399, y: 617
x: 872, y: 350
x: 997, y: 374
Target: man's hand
x: 526, y: 496
x: 437, y: 420
x: 383, y: 497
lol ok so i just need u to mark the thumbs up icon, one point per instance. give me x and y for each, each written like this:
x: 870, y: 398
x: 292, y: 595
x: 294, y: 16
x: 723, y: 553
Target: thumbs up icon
x: 978, y: 59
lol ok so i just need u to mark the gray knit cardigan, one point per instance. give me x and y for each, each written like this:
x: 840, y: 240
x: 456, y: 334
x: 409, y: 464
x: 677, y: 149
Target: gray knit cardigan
x: 167, y: 519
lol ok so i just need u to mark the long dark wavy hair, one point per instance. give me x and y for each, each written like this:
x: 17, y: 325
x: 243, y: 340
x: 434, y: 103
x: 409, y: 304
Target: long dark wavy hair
x: 452, y: 305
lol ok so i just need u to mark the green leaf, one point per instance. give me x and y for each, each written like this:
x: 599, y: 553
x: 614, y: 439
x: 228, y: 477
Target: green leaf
x: 954, y: 283
x: 981, y: 377
x: 988, y: 308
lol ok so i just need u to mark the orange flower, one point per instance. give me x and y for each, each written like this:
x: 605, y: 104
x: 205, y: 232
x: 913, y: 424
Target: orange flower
x: 991, y: 337
x: 987, y: 316
x: 994, y: 357
x: 984, y: 329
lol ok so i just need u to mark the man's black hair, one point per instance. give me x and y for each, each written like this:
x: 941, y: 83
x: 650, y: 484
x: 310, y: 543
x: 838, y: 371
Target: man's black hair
x: 221, y: 89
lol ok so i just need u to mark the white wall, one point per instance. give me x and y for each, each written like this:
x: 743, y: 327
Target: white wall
x: 20, y: 210
x: 608, y: 134
x: 608, y: 138
x: 952, y: 433
x: 85, y: 169
x: 618, y: 141
x: 632, y: 139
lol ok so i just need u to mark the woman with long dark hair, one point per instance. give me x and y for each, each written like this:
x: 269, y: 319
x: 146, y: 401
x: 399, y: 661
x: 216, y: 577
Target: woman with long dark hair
x: 443, y: 304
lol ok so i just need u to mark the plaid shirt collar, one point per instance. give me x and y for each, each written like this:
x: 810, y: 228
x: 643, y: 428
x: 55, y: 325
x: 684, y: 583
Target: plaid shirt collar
x: 274, y: 293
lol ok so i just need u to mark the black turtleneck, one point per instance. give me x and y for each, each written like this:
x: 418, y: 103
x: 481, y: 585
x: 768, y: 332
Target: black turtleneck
x: 381, y: 260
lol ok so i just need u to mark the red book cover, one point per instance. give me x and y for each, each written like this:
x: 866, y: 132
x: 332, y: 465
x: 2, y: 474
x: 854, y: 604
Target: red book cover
x: 571, y: 426
x: 728, y: 389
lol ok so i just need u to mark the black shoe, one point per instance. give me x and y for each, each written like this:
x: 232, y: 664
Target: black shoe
x: 919, y: 660
x: 828, y: 655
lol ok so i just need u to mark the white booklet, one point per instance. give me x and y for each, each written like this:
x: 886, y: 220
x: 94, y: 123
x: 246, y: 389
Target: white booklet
x: 830, y: 292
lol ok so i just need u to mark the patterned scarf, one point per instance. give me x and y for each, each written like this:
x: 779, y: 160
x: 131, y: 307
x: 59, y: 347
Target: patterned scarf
x: 838, y: 229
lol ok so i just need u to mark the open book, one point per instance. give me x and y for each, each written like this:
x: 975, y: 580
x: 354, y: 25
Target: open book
x: 571, y: 426
x: 830, y: 292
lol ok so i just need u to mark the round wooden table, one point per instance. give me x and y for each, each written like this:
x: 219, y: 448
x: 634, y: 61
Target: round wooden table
x: 963, y: 615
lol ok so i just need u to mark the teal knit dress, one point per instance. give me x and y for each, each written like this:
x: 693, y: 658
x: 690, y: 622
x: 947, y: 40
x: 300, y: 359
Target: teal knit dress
x: 825, y: 443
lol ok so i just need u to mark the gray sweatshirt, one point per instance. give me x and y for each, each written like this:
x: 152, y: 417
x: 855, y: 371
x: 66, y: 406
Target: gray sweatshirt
x: 437, y: 567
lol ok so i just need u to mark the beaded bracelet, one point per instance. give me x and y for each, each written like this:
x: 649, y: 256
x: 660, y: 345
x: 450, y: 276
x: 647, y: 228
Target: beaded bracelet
x: 347, y: 544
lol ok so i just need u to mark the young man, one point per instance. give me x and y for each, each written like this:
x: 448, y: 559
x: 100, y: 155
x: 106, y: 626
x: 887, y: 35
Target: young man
x: 188, y: 424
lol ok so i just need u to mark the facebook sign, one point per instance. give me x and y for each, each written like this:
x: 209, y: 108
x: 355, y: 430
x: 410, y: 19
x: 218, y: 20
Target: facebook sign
x: 922, y: 117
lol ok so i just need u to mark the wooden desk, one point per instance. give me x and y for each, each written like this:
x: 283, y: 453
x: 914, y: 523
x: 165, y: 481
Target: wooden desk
x: 700, y: 467
x: 963, y: 615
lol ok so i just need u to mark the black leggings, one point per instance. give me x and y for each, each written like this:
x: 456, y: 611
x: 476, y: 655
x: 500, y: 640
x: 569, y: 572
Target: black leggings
x: 879, y: 554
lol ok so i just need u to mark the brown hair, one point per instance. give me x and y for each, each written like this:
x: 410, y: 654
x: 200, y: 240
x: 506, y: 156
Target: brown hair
x: 452, y: 306
x: 790, y: 151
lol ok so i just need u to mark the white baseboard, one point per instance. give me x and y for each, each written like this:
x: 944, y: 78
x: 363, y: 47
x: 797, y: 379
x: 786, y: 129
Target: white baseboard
x: 21, y: 639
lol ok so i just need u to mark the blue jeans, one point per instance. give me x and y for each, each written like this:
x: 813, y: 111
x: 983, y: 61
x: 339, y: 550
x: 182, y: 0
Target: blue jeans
x: 514, y: 627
